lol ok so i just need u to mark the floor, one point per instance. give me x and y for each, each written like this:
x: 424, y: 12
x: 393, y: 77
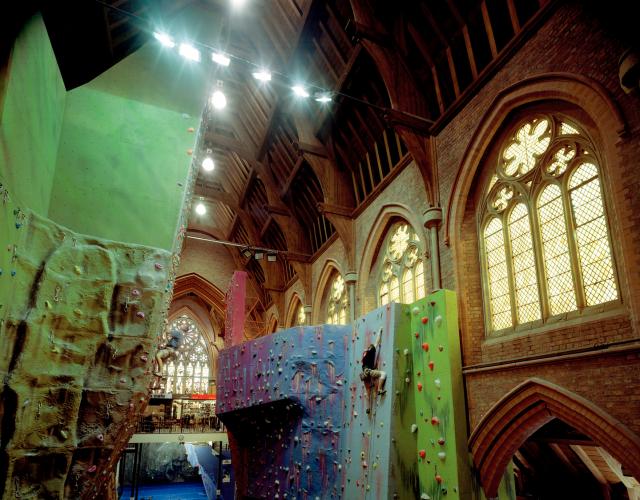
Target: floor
x: 178, y: 491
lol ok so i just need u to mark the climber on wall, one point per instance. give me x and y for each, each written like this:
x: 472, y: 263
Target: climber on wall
x: 369, y: 371
x: 168, y: 351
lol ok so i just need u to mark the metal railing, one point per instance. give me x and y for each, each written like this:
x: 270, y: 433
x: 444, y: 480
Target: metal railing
x: 184, y: 425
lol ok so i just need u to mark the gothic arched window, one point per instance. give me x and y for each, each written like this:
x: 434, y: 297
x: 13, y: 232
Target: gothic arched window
x: 338, y: 303
x: 544, y: 233
x: 188, y: 372
x: 402, y: 278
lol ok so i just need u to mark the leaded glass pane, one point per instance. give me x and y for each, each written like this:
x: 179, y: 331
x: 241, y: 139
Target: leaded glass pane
x: 301, y: 317
x: 338, y: 302
x: 524, y: 265
x: 555, y: 246
x: 497, y: 273
x: 394, y: 290
x: 420, y: 288
x: 407, y: 286
x: 592, y: 237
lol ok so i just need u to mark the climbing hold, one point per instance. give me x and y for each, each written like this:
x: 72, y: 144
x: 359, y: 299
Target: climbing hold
x: 438, y: 478
x: 158, y: 266
x: 191, y: 130
x: 140, y: 314
x: 13, y: 272
x: 100, y: 437
x: 416, y: 334
x: 135, y: 292
x: 431, y: 365
x: 189, y: 151
x: 414, y: 428
x: 437, y: 383
x: 419, y: 387
x: 406, y: 352
x: 438, y: 320
x: 143, y: 358
x: 440, y: 348
x: 47, y: 304
x: 435, y: 420
x: 92, y: 468
x: 441, y: 441
x: 425, y: 347
x: 415, y: 310
x: 407, y: 380
x: 442, y: 455
x: 77, y: 269
x: 424, y: 320
x: 422, y: 453
x: 424, y: 496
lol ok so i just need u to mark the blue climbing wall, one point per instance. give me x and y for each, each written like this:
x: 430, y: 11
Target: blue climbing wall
x: 281, y: 398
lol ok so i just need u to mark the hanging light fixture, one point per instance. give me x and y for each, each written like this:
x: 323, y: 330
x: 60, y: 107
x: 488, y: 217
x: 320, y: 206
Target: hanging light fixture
x: 218, y: 100
x: 263, y: 75
x: 164, y: 39
x: 220, y: 58
x: 189, y: 52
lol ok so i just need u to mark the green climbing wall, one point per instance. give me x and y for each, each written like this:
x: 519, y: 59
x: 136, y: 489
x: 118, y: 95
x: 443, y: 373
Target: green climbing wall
x: 122, y: 163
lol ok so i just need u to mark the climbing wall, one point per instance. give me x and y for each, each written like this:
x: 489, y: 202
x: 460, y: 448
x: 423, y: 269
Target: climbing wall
x: 78, y: 336
x: 436, y: 380
x: 281, y: 398
x: 302, y: 422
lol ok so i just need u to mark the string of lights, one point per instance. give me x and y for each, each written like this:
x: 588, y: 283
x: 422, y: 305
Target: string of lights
x: 190, y: 51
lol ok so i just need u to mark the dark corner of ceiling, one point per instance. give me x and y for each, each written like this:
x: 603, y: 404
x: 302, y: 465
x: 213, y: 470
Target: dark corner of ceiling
x: 11, y: 22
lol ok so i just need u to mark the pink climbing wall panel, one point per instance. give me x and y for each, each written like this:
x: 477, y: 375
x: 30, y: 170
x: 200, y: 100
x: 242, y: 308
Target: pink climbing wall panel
x: 235, y: 305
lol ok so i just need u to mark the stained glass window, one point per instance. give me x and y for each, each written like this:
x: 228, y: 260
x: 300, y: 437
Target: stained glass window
x: 188, y: 372
x: 545, y: 236
x: 338, y: 307
x: 402, y: 276
x: 301, y: 317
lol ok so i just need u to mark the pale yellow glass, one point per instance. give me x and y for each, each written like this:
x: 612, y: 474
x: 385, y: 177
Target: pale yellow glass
x: 394, y: 290
x: 420, y: 288
x: 555, y: 246
x: 529, y: 142
x: 496, y: 262
x: 592, y: 236
x: 407, y: 286
x: 524, y: 266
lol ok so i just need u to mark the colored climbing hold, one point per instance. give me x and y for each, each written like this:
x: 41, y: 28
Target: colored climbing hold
x: 441, y: 441
x: 440, y: 348
x: 438, y: 478
x: 416, y: 310
x: 438, y: 320
x: 431, y: 365
x: 414, y: 428
x: 158, y: 266
x: 437, y: 383
x: 13, y: 272
x: 425, y: 346
x: 92, y: 468
x: 442, y: 455
x: 424, y: 320
x: 419, y: 387
x: 416, y: 334
x: 435, y: 420
x: 422, y: 454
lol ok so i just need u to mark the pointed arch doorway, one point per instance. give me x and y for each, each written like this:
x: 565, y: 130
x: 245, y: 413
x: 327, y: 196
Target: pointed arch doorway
x: 560, y: 443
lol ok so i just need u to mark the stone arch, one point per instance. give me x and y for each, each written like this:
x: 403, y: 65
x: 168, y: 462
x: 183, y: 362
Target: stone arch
x: 529, y: 406
x: 365, y: 301
x: 272, y: 324
x: 207, y: 291
x: 328, y: 270
x: 292, y: 309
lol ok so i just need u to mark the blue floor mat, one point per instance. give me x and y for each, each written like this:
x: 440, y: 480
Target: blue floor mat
x: 179, y: 491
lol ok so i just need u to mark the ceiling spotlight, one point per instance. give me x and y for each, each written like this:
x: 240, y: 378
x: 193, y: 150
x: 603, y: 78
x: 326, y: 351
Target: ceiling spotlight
x: 207, y: 164
x: 272, y: 257
x: 300, y: 91
x: 189, y: 52
x: 246, y: 251
x: 236, y: 4
x: 258, y: 255
x: 164, y: 39
x: 218, y: 100
x: 323, y: 97
x: 220, y: 58
x: 263, y: 75
x: 201, y: 209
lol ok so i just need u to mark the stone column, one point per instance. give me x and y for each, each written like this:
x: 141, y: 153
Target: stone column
x: 432, y: 219
x: 307, y: 315
x: 350, y: 279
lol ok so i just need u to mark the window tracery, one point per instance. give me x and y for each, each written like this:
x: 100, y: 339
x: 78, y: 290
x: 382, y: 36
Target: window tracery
x: 338, y: 303
x: 188, y: 372
x: 545, y: 239
x: 402, y: 276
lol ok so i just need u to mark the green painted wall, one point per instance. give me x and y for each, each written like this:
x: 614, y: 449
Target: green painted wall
x: 31, y: 114
x: 122, y: 167
x: 31, y: 119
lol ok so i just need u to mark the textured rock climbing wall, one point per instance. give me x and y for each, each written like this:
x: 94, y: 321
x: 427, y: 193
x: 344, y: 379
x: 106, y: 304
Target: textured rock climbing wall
x: 303, y: 423
x: 281, y: 398
x: 78, y: 337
